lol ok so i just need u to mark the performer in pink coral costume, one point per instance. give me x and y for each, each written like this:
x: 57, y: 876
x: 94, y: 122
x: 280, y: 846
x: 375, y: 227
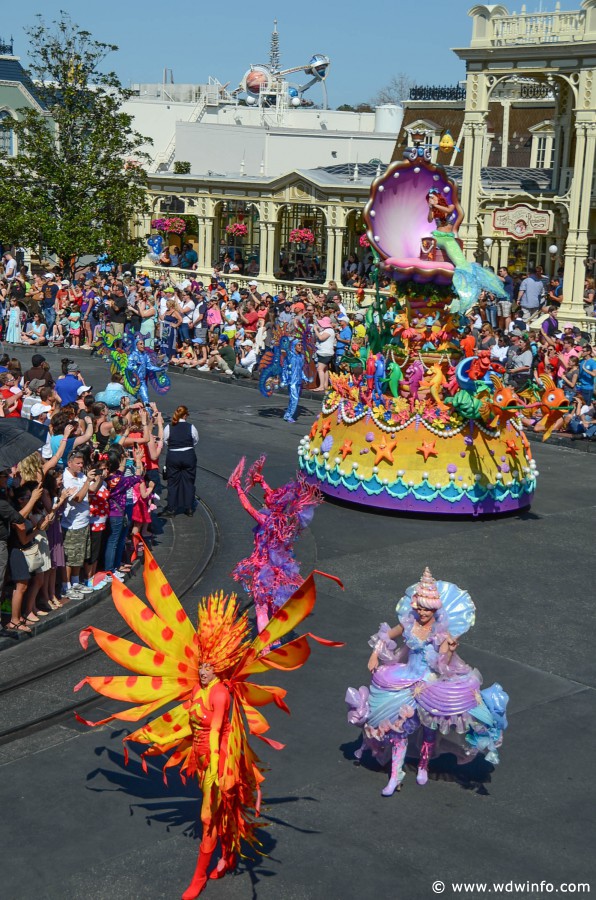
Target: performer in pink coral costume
x: 271, y: 573
x: 424, y: 685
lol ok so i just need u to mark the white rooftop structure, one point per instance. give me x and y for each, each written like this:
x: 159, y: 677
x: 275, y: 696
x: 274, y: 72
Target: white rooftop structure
x: 267, y: 125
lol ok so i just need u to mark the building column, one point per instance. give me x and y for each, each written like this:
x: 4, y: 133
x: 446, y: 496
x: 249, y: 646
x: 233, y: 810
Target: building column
x: 504, y: 252
x: 577, y: 245
x: 208, y: 242
x: 338, y: 254
x: 506, y: 104
x: 330, y: 262
x: 271, y: 249
x: 474, y: 129
x: 263, y: 249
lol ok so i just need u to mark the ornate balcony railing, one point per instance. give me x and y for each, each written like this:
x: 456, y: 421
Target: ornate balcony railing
x: 438, y: 92
x: 6, y: 47
x: 537, y: 28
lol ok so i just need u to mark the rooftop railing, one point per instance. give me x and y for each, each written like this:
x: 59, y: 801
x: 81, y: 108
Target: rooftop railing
x: 558, y: 27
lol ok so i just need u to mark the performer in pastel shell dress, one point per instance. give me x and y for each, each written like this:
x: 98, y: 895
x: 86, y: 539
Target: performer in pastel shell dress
x: 424, y: 688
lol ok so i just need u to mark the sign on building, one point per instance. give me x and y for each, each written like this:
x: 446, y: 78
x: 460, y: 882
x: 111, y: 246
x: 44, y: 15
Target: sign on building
x: 521, y: 221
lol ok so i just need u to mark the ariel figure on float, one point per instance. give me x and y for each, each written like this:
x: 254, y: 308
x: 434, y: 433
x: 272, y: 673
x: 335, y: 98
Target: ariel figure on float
x: 469, y: 279
x: 424, y: 685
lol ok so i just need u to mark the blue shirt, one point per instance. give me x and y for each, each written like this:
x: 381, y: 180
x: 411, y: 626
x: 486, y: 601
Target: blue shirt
x: 67, y: 388
x: 585, y: 382
x: 531, y: 292
x: 344, y: 335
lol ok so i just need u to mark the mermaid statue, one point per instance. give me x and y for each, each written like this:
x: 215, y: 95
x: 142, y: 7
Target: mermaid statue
x: 271, y: 573
x: 469, y: 279
x: 423, y: 693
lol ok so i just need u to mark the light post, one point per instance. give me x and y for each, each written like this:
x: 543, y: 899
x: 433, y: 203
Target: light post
x: 488, y: 242
x: 554, y: 252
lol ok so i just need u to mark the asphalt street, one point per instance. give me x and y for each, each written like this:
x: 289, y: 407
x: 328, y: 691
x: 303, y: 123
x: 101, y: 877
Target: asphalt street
x: 77, y: 823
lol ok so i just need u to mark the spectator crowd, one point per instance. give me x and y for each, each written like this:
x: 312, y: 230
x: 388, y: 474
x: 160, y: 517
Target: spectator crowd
x: 71, y: 515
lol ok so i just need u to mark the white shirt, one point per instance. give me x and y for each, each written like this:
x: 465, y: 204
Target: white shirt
x: 498, y: 353
x: 10, y: 269
x: 249, y: 361
x: 187, y: 311
x: 75, y: 515
x: 326, y: 346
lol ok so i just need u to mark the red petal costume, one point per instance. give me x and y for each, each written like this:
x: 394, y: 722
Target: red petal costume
x: 205, y: 729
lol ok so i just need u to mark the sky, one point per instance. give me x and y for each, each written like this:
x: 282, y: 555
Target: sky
x: 197, y: 39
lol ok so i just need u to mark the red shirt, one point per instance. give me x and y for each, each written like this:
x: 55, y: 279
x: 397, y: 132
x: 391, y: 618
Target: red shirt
x: 8, y: 395
x: 250, y: 320
x: 468, y: 344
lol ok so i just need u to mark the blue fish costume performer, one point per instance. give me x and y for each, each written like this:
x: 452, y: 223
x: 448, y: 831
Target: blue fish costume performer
x: 288, y: 364
x: 135, y: 363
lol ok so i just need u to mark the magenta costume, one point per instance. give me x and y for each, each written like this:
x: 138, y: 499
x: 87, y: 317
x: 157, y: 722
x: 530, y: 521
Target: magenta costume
x: 271, y: 573
x: 419, y: 691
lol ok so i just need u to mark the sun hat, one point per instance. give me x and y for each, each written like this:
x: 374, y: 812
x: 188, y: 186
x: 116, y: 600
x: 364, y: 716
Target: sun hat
x: 325, y: 322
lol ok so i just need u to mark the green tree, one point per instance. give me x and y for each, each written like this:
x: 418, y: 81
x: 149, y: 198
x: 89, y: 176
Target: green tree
x: 77, y: 181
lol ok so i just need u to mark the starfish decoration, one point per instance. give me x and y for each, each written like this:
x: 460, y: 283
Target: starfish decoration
x: 427, y: 449
x: 346, y: 448
x: 384, y: 451
x: 313, y: 430
x: 325, y: 428
x: 511, y: 447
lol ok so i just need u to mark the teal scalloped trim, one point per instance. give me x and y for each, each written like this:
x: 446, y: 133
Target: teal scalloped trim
x: 425, y: 491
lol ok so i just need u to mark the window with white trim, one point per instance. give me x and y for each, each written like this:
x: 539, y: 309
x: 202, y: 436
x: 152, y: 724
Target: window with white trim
x: 6, y: 133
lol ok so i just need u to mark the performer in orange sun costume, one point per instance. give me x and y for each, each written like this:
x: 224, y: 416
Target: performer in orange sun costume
x: 206, y: 670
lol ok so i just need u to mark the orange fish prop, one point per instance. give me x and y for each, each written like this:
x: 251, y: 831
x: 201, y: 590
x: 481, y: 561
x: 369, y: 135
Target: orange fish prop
x: 552, y: 403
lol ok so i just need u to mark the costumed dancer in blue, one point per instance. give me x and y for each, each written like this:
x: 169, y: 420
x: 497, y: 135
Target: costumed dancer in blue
x: 293, y: 377
x: 135, y: 362
x: 287, y: 364
x: 144, y: 364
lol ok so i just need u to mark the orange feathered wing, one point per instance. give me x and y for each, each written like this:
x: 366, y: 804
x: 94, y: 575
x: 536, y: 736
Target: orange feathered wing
x: 166, y: 672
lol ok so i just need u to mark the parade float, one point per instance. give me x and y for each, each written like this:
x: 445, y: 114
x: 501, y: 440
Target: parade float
x: 412, y: 424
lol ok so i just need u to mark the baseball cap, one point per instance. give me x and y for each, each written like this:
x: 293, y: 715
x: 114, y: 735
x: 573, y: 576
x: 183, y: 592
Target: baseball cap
x: 38, y: 409
x: 359, y: 316
x: 73, y: 367
x: 299, y: 307
x: 224, y: 339
x: 253, y: 283
x: 48, y: 274
x: 83, y: 389
x: 36, y: 383
x: 247, y: 343
x: 37, y: 359
x: 65, y: 282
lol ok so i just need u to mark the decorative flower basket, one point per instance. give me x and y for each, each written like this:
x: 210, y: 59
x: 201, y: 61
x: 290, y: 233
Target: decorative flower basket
x: 169, y: 226
x: 237, y: 229
x: 301, y: 236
